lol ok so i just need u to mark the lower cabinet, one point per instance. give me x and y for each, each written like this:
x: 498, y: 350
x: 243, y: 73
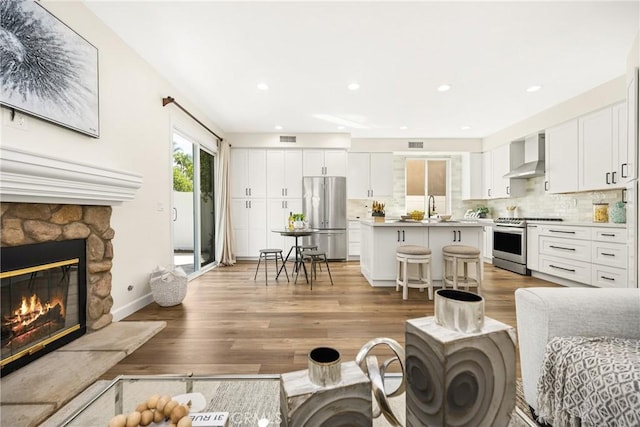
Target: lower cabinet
x: 487, y: 233
x: 354, y: 239
x: 385, y: 242
x: 249, y: 226
x: 443, y: 236
x: 595, y: 256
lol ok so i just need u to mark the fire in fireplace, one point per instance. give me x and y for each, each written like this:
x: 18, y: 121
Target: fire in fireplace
x: 43, y: 299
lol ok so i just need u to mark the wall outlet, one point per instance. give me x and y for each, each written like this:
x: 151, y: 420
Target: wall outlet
x: 16, y: 120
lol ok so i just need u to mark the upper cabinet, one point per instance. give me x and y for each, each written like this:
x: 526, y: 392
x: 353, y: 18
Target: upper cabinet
x: 472, y: 176
x: 627, y: 152
x: 370, y: 175
x: 324, y: 162
x: 561, y: 158
x: 602, y: 135
x: 248, y: 169
x: 284, y: 173
x: 497, y: 163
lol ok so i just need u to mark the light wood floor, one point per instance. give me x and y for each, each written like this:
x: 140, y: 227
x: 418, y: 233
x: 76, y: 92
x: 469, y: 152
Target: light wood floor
x: 231, y: 324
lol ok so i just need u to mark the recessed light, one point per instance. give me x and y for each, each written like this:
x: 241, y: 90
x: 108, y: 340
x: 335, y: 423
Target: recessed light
x: 444, y: 87
x: 354, y: 86
x: 465, y: 127
x: 404, y: 127
x: 278, y: 127
x: 534, y: 88
x: 263, y: 86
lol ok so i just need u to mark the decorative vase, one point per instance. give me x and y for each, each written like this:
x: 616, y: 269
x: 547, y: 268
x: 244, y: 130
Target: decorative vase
x: 329, y: 393
x: 460, y: 311
x: 618, y: 213
x: 298, y: 224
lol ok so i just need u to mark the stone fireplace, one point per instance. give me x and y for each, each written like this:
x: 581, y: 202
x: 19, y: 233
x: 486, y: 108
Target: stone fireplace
x: 50, y: 201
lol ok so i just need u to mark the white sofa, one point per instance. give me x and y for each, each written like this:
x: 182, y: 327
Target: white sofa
x: 545, y: 313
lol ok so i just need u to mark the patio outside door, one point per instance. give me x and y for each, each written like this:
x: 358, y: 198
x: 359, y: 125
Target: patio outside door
x: 193, y: 211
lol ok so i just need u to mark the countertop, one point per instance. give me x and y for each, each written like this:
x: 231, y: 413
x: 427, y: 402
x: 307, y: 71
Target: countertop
x: 579, y: 224
x: 425, y: 223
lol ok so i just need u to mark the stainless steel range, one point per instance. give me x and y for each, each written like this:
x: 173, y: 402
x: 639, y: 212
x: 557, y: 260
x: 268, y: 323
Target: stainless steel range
x: 510, y: 243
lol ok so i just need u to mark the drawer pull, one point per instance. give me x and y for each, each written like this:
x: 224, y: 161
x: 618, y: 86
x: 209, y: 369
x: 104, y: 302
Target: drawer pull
x: 608, y: 235
x: 608, y: 278
x: 562, y: 268
x: 560, y: 247
x: 607, y: 254
x: 562, y: 231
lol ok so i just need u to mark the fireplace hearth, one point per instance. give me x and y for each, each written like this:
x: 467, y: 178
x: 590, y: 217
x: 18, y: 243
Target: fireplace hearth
x: 43, y: 299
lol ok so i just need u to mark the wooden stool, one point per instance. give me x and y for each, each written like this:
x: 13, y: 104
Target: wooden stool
x: 413, y: 254
x: 273, y: 254
x: 314, y: 257
x: 452, y: 255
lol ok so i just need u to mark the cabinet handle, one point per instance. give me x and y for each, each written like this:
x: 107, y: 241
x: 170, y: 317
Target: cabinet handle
x: 246, y: 204
x: 454, y: 235
x: 562, y: 231
x: 249, y: 190
x: 508, y: 190
x: 282, y: 192
x: 175, y: 214
x: 607, y: 177
x: 403, y: 235
x: 562, y: 268
x: 489, y: 192
x: 608, y: 235
x: 622, y: 172
x: 563, y: 248
x: 459, y: 236
x: 546, y: 186
x: 398, y: 235
x: 249, y: 204
x: 246, y: 191
x: 613, y: 177
x: 608, y: 278
x: 607, y: 254
x: 624, y: 195
x: 286, y: 191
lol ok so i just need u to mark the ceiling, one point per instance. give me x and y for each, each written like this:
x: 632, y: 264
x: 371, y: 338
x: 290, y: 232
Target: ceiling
x: 216, y: 53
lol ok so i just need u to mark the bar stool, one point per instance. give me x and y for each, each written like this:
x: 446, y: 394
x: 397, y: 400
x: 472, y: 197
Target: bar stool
x: 413, y: 254
x: 273, y: 254
x: 314, y: 257
x: 452, y: 256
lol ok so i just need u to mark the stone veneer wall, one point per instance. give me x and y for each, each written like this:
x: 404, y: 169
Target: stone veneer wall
x: 26, y: 223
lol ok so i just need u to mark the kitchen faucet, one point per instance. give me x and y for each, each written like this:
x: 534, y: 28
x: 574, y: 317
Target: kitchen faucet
x: 431, y: 208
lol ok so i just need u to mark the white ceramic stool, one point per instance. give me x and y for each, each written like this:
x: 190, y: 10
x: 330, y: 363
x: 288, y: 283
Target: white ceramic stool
x: 452, y: 256
x: 413, y: 254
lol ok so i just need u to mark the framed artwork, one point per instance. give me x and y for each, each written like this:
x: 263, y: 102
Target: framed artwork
x: 47, y: 70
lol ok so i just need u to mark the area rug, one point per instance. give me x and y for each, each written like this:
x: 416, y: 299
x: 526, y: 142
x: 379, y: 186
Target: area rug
x: 31, y: 394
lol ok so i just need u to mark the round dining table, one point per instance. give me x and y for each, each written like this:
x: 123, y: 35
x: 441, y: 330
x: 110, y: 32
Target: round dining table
x: 297, y: 233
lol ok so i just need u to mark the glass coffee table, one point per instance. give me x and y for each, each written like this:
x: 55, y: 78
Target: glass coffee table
x: 249, y: 399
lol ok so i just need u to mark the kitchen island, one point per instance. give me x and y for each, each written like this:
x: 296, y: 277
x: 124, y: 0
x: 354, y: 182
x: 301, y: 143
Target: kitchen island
x: 379, y: 241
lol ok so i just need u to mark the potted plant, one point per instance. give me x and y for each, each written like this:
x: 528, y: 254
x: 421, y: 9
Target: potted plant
x: 482, y: 211
x: 377, y: 211
x: 298, y: 220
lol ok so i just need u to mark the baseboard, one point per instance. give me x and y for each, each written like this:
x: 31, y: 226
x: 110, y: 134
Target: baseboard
x: 132, y: 307
x: 559, y: 280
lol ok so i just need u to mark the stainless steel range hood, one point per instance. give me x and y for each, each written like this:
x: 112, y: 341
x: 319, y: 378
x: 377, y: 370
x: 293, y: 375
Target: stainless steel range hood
x: 532, y: 149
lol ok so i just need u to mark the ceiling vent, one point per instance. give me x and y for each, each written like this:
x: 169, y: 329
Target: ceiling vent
x: 416, y: 144
x: 285, y: 138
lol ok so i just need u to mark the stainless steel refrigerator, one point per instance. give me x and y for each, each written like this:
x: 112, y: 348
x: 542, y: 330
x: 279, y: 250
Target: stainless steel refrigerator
x: 325, y: 207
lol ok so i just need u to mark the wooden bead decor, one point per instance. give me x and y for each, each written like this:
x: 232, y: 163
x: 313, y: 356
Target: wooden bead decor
x: 155, y: 409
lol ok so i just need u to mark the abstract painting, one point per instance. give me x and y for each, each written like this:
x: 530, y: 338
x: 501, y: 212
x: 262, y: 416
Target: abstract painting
x: 46, y: 69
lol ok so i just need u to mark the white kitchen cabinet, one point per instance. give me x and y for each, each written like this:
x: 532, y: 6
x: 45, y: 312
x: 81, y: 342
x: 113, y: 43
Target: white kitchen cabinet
x: 561, y: 158
x: 386, y: 240
x: 472, y: 175
x: 278, y: 211
x: 249, y: 226
x: 324, y: 162
x: 487, y: 174
x: 248, y: 172
x: 621, y: 148
x: 495, y: 164
x: 443, y: 236
x: 628, y: 154
x: 487, y: 235
x: 354, y: 239
x: 533, y: 257
x: 284, y: 174
x: 596, y: 150
x: 370, y: 175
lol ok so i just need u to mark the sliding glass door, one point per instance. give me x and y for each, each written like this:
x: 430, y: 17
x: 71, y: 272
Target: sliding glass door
x: 193, y: 212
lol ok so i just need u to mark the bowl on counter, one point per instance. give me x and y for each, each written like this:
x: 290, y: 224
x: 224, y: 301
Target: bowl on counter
x: 445, y: 217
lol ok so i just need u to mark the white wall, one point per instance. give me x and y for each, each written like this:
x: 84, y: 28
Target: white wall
x: 303, y: 140
x: 135, y: 135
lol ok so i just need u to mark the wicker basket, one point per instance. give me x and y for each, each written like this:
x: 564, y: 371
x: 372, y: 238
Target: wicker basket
x: 168, y: 287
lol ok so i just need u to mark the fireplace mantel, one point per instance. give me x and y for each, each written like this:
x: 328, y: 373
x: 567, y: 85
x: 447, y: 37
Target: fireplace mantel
x: 27, y: 177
